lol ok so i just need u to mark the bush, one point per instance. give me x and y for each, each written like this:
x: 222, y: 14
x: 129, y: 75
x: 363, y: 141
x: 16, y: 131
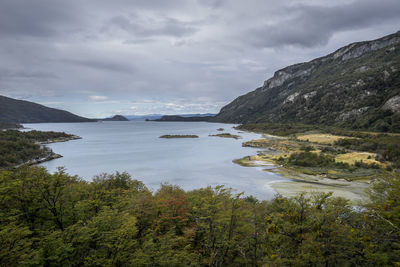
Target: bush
x: 306, y: 148
x: 361, y: 164
x: 309, y: 159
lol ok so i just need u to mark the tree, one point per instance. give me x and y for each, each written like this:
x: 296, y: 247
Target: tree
x: 382, y: 218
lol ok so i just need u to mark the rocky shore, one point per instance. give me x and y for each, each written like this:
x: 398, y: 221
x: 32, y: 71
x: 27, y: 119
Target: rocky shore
x: 60, y: 140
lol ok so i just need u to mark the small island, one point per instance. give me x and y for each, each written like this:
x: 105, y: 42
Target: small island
x: 220, y: 129
x: 227, y: 135
x: 199, y: 117
x: 169, y: 136
x: 115, y: 118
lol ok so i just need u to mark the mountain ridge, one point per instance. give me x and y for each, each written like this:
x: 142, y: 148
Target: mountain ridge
x: 356, y: 86
x: 22, y: 111
x: 115, y: 118
x: 167, y: 118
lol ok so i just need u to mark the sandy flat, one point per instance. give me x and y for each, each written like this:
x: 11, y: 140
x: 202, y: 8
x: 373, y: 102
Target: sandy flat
x: 353, y: 191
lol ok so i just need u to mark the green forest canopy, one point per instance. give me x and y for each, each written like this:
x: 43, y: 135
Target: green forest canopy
x: 60, y: 220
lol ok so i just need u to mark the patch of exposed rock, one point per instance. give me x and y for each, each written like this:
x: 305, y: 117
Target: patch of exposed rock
x: 393, y: 104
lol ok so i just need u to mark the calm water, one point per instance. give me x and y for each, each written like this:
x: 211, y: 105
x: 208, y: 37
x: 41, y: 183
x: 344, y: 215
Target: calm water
x: 135, y: 147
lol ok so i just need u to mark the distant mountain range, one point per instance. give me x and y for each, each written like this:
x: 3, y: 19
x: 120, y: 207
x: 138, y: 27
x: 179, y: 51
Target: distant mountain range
x: 153, y: 117
x: 13, y: 111
x: 143, y: 117
x: 115, y: 118
x: 357, y: 86
x: 199, y: 117
x: 21, y: 111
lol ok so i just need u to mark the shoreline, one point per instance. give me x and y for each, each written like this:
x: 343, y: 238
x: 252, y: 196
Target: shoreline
x: 299, y: 180
x: 60, y: 140
x: 52, y: 155
x: 302, y: 183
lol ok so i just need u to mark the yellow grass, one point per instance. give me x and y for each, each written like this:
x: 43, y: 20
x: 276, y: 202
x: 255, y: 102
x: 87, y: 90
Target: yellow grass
x: 264, y: 157
x: 352, y: 157
x: 325, y: 139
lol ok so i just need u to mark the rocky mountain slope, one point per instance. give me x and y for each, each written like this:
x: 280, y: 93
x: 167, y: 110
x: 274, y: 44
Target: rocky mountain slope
x: 357, y: 86
x: 20, y: 111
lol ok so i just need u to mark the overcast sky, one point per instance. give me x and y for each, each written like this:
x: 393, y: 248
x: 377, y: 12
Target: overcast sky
x: 97, y: 58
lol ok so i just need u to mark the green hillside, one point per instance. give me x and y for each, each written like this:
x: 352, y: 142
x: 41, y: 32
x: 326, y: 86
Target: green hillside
x: 20, y: 111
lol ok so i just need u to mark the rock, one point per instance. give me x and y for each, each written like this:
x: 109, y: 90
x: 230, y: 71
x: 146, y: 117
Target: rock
x: 393, y: 104
x: 291, y: 98
x: 352, y: 113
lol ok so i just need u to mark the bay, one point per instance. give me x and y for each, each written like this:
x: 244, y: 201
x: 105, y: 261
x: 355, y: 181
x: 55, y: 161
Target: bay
x: 135, y: 147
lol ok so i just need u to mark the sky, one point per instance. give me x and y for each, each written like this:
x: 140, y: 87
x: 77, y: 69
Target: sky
x: 97, y: 58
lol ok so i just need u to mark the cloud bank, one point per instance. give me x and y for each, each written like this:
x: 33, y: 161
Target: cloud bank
x: 100, y: 57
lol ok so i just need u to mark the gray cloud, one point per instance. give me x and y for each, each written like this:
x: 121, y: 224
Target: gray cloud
x: 101, y: 64
x: 150, y: 27
x: 95, y: 57
x: 313, y: 25
x: 21, y: 74
x: 44, y: 18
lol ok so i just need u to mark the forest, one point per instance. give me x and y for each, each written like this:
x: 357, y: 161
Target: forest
x: 61, y: 220
x: 17, y: 147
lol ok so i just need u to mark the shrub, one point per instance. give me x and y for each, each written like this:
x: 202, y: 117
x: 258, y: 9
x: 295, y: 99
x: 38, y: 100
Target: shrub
x: 309, y: 159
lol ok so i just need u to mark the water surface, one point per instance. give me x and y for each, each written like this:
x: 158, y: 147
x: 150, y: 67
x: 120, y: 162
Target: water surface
x: 135, y: 147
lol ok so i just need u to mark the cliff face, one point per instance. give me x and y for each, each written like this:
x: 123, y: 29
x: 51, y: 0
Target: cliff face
x: 19, y: 111
x: 357, y: 86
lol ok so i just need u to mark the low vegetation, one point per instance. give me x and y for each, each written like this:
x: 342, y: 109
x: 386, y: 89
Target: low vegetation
x: 310, y: 159
x: 324, y: 139
x: 179, y: 136
x: 324, y: 152
x: 61, y: 220
x: 284, y: 145
x: 384, y: 146
x: 227, y: 135
x: 353, y: 157
x: 279, y: 129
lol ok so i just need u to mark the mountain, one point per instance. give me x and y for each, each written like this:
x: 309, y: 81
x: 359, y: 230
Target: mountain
x: 183, y: 118
x: 196, y: 115
x: 20, y: 111
x: 156, y: 117
x: 357, y: 86
x: 115, y: 118
x: 143, y: 117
